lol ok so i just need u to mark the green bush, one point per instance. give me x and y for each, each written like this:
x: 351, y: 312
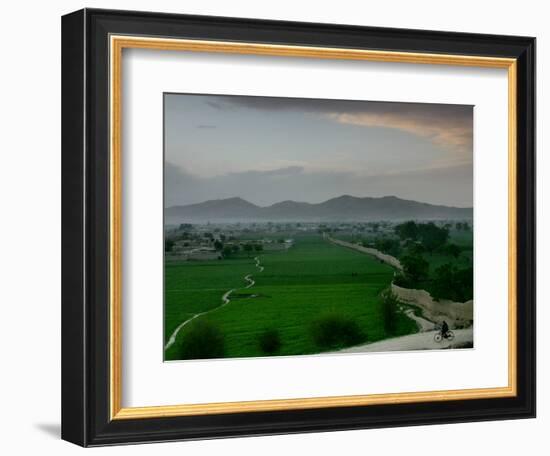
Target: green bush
x: 333, y: 331
x: 390, y: 307
x: 401, y: 281
x: 168, y: 245
x: 270, y: 341
x: 202, y: 340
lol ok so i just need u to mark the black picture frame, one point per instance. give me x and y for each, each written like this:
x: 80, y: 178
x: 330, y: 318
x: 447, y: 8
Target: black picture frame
x: 85, y: 224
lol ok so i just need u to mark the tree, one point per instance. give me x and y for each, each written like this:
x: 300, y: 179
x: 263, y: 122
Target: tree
x: 453, y: 283
x: 415, y: 248
x: 218, y: 245
x: 465, y: 283
x: 432, y: 236
x: 390, y: 307
x: 183, y: 235
x: 227, y: 251
x: 248, y: 248
x: 407, y: 230
x: 462, y: 226
x: 168, y: 245
x: 388, y: 245
x: 258, y: 247
x: 444, y: 285
x: 416, y: 268
x: 452, y: 250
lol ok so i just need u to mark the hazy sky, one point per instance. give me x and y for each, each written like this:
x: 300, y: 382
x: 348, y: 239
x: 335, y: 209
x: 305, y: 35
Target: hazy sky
x: 267, y: 150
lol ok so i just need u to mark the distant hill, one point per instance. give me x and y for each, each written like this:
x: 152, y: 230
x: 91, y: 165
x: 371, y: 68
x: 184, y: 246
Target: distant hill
x: 344, y: 207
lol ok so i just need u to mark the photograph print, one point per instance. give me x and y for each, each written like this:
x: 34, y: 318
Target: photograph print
x: 315, y: 226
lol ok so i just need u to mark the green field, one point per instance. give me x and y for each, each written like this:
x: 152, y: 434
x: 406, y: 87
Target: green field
x: 196, y: 286
x: 463, y: 239
x: 297, y: 286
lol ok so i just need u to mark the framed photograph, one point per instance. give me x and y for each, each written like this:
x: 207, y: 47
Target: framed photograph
x: 276, y: 227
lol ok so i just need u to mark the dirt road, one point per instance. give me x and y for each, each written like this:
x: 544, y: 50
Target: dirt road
x: 423, y: 324
x: 419, y: 341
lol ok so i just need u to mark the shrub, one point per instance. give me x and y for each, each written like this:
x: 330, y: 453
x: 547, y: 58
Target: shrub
x: 168, y: 245
x: 270, y: 341
x: 390, y: 307
x: 202, y: 340
x: 332, y: 331
x: 401, y: 281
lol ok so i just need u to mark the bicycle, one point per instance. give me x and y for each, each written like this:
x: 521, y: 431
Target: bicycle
x: 439, y: 336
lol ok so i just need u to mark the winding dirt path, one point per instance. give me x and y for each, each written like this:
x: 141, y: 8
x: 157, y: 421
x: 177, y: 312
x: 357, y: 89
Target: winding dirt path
x: 423, y: 324
x: 258, y: 265
x: 250, y: 281
x: 384, y: 257
x: 225, y: 300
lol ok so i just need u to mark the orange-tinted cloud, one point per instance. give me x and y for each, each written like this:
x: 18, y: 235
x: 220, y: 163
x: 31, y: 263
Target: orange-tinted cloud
x: 451, y: 132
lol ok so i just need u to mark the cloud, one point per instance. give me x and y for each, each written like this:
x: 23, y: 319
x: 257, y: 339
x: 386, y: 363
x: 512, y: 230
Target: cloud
x: 214, y: 104
x: 268, y: 150
x: 450, y: 132
x: 446, y: 125
x: 286, y: 171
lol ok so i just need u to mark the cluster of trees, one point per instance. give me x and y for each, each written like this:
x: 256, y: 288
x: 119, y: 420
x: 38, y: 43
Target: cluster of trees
x: 228, y: 250
x: 218, y: 243
x: 426, y: 238
x: 416, y: 270
x: 450, y: 282
x: 462, y: 226
x: 429, y: 235
x: 168, y: 244
x: 447, y: 281
x: 391, y: 246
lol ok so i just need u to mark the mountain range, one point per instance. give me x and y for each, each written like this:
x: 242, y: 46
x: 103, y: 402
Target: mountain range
x: 342, y: 208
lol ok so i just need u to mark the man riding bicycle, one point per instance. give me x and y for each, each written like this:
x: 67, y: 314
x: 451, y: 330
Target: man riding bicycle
x: 444, y: 329
x: 444, y: 333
